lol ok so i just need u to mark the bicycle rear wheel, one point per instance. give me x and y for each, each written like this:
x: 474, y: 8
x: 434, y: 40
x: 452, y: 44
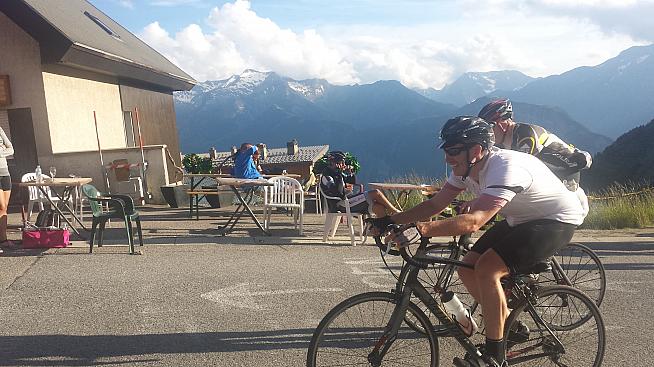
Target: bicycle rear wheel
x: 559, y: 307
x: 583, y: 268
x: 349, y: 332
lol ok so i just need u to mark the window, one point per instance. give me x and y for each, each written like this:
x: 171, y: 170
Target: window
x: 102, y: 25
x: 130, y: 141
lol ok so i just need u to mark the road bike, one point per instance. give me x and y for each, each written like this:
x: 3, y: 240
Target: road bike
x: 379, y: 328
x: 574, y: 265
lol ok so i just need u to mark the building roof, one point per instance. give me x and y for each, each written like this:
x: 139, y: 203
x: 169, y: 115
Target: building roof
x: 77, y: 34
x: 308, y: 154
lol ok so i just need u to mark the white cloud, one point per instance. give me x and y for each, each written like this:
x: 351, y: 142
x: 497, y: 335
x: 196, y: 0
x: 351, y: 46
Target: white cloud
x: 126, y: 4
x: 537, y: 37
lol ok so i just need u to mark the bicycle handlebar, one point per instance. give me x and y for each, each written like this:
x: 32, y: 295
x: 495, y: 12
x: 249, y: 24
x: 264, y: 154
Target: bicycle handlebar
x: 410, y: 259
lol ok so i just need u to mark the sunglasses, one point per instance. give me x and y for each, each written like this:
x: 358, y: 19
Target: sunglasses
x: 455, y: 150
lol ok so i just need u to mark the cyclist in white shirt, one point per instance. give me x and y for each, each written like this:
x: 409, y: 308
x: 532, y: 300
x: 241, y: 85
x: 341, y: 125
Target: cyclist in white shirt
x: 541, y: 216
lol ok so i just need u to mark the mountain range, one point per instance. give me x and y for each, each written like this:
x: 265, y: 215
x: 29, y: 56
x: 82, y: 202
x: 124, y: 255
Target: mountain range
x: 610, y: 98
x: 470, y: 86
x: 390, y: 128
x: 393, y: 129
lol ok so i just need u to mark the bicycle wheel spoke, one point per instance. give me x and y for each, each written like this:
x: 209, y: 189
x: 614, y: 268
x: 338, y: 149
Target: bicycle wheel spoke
x: 582, y: 268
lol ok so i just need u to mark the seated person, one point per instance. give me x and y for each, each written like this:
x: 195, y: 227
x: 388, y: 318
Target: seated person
x: 246, y: 162
x: 338, y: 180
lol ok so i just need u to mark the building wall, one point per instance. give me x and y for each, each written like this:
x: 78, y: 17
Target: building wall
x: 20, y: 58
x: 157, y: 119
x: 71, y: 102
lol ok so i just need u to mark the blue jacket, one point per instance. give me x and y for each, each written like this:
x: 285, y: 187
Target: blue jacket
x: 244, y: 166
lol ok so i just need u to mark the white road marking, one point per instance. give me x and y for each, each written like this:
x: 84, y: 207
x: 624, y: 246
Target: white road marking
x: 240, y: 296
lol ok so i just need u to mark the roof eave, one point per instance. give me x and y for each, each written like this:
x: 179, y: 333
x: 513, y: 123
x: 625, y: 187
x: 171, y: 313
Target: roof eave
x: 88, y: 58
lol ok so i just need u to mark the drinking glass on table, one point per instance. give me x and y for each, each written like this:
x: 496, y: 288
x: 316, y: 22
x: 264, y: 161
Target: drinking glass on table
x: 53, y: 171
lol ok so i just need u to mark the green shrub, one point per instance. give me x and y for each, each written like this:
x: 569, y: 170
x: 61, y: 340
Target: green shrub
x: 350, y: 160
x: 193, y: 163
x: 620, y: 206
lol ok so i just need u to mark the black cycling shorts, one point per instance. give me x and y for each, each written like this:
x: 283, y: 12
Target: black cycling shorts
x: 525, y: 244
x: 5, y: 183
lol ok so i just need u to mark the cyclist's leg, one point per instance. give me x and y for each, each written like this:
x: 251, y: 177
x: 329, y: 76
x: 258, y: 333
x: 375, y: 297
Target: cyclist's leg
x: 380, y: 204
x: 491, y: 237
x: 489, y: 269
x: 467, y: 276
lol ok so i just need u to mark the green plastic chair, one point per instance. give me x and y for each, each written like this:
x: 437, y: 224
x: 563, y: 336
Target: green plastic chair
x: 120, y: 207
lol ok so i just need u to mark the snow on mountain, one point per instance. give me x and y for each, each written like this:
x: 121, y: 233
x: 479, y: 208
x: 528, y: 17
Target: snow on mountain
x: 309, y: 89
x: 247, y: 83
x: 470, y: 86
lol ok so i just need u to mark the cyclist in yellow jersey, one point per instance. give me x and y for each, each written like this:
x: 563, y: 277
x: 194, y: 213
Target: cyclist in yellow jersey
x: 563, y: 159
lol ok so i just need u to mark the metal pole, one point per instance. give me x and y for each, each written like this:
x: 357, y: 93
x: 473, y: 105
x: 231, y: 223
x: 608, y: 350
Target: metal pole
x: 104, y: 170
x: 143, y: 163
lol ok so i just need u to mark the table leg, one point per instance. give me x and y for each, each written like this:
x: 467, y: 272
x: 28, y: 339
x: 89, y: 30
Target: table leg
x: 238, y: 213
x: 61, y: 214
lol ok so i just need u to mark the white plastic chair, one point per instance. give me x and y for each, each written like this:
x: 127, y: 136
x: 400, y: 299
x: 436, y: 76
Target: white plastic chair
x: 35, y: 195
x: 332, y: 220
x: 285, y: 193
x: 313, y: 194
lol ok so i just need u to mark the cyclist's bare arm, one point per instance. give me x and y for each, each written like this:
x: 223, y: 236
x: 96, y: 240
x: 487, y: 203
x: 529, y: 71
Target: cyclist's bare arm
x: 427, y: 209
x: 460, y: 224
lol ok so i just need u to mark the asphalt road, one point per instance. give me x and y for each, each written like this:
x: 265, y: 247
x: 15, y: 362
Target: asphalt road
x: 240, y: 304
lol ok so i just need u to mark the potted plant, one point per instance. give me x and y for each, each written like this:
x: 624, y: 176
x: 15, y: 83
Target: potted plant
x: 350, y: 160
x: 193, y: 163
x: 175, y: 193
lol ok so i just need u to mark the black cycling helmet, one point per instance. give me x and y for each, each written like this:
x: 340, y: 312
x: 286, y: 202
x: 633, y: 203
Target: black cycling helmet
x: 467, y: 130
x: 497, y: 110
x: 335, y: 156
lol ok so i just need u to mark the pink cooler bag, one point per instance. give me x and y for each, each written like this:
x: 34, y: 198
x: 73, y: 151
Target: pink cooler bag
x: 46, y: 238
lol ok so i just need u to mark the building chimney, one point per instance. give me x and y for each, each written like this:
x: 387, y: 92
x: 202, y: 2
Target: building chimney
x: 263, y: 151
x: 212, y: 153
x: 292, y: 147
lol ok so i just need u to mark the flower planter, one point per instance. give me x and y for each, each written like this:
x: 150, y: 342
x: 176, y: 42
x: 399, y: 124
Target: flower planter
x: 175, y: 194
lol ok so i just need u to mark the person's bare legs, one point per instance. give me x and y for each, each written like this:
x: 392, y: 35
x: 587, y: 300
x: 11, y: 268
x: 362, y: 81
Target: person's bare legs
x: 483, y: 283
x: 379, y: 199
x: 489, y: 269
x: 467, y: 276
x: 4, y: 203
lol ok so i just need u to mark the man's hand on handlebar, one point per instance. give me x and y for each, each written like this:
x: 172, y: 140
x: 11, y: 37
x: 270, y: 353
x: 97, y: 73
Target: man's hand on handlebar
x: 404, y: 235
x: 376, y: 227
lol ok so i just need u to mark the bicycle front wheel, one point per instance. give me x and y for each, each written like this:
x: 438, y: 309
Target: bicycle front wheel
x: 557, y: 308
x: 352, y: 329
x: 582, y: 267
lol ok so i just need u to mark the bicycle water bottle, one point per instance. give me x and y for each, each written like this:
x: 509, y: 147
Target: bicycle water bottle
x: 459, y: 313
x: 38, y: 173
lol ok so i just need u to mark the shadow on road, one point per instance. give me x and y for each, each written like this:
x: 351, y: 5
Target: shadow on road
x: 93, y: 350
x: 621, y: 248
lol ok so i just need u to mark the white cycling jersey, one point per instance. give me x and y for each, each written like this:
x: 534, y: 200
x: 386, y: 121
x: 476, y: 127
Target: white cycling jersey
x: 533, y: 192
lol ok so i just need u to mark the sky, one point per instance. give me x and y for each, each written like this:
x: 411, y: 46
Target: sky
x: 421, y: 43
